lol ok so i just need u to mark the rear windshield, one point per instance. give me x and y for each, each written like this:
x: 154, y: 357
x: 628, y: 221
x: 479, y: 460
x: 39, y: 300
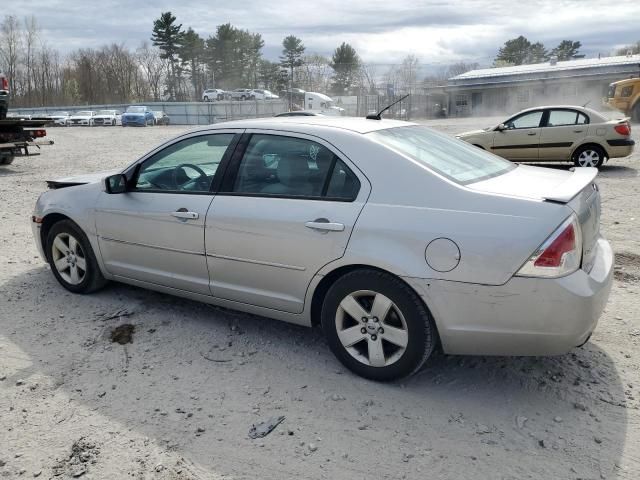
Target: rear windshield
x: 458, y: 161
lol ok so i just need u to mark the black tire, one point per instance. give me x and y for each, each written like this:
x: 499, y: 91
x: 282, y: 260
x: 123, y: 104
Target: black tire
x: 6, y: 159
x: 3, y: 112
x: 206, y: 99
x: 418, y: 323
x: 93, y: 279
x: 243, y: 98
x: 220, y: 97
x: 592, y: 151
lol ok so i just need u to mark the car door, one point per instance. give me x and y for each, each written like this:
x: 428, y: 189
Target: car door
x: 561, y: 130
x: 287, y: 207
x: 521, y: 137
x: 154, y: 232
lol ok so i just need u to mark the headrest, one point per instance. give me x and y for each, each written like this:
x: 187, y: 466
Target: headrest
x: 292, y: 170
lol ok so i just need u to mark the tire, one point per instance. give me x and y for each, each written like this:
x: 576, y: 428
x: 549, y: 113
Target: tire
x: 243, y: 98
x: 7, y: 159
x: 403, y: 350
x: 3, y: 112
x: 62, y: 251
x: 220, y: 97
x: 589, y: 156
x: 206, y: 99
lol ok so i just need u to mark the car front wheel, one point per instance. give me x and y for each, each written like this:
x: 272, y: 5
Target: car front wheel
x: 377, y: 326
x: 589, y: 156
x: 72, y: 260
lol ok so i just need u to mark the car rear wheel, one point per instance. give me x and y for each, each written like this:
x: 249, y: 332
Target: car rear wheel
x: 72, y: 260
x: 6, y: 159
x: 589, y: 156
x: 636, y: 113
x: 206, y: 99
x: 377, y: 326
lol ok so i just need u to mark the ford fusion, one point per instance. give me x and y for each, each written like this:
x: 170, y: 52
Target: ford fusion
x: 392, y: 237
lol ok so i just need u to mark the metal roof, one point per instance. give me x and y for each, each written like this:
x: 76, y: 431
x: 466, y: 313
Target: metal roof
x: 537, y: 70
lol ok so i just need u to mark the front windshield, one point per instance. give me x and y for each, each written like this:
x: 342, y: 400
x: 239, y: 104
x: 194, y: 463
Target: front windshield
x: 136, y: 110
x: 106, y: 112
x: 60, y: 114
x: 458, y: 161
x: 84, y: 114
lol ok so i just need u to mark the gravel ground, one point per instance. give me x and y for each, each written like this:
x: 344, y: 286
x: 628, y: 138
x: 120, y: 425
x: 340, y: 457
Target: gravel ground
x: 177, y: 402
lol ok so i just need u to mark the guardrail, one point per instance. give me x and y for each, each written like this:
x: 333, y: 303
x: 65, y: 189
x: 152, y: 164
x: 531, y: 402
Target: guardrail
x: 183, y: 113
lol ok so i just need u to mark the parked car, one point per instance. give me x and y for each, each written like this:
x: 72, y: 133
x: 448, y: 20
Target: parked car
x: 4, y: 95
x: 138, y: 115
x: 161, y: 118
x: 259, y: 94
x: 299, y: 113
x: 391, y: 236
x: 21, y: 116
x: 242, y: 94
x: 556, y: 134
x: 59, y: 119
x: 82, y: 118
x: 108, y: 117
x: 213, y: 94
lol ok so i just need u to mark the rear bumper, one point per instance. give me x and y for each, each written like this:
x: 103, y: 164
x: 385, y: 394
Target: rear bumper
x: 525, y: 316
x: 620, y: 147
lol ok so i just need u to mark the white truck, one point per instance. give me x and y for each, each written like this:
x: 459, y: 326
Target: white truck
x: 321, y: 103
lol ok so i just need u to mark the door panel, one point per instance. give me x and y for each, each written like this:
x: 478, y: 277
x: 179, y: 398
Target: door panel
x: 517, y: 144
x: 521, y: 137
x: 155, y: 231
x: 287, y: 208
x: 563, y: 129
x: 261, y: 252
x: 140, y: 238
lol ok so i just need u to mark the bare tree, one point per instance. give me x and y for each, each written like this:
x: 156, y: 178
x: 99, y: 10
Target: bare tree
x: 10, y: 48
x: 314, y: 74
x: 153, y: 67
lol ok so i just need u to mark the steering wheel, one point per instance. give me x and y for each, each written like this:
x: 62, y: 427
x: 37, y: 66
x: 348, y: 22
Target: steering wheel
x: 201, y: 173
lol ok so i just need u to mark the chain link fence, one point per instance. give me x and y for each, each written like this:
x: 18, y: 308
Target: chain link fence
x: 183, y: 113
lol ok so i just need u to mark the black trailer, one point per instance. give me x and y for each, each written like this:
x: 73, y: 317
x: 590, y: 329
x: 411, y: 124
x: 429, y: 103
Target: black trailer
x: 21, y: 138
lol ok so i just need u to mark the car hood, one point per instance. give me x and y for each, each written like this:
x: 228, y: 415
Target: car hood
x: 133, y: 114
x: 538, y: 183
x: 471, y: 133
x: 79, y: 117
x: 80, y: 179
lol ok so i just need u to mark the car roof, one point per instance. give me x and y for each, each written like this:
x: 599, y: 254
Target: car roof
x: 588, y: 111
x: 308, y: 124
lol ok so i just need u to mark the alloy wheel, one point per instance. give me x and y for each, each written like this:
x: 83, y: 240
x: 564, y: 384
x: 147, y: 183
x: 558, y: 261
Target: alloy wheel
x: 589, y: 158
x: 69, y: 259
x: 371, y: 328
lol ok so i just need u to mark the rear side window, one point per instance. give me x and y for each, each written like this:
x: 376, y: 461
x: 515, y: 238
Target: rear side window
x: 281, y: 166
x: 559, y: 118
x: 457, y: 160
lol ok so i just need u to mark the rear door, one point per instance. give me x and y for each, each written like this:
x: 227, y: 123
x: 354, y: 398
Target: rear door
x: 287, y: 207
x: 521, y: 138
x: 562, y: 129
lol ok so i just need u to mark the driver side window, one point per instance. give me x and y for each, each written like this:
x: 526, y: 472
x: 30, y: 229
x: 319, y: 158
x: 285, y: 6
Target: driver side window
x: 185, y: 166
x: 527, y: 120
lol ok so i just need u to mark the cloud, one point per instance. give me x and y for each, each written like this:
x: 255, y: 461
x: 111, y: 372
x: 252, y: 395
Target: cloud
x: 383, y: 32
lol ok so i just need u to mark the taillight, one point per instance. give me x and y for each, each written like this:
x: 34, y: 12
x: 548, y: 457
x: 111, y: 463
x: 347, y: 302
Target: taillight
x: 623, y: 129
x: 39, y: 133
x: 559, y: 255
x: 4, y: 83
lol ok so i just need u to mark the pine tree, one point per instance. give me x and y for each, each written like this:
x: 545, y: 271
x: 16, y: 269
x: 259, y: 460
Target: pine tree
x: 346, y: 65
x: 567, y: 50
x: 168, y: 37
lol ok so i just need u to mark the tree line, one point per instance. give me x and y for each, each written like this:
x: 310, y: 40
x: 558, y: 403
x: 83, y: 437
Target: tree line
x: 177, y: 63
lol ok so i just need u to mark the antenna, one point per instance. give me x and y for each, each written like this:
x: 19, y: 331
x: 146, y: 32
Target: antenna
x: 378, y: 116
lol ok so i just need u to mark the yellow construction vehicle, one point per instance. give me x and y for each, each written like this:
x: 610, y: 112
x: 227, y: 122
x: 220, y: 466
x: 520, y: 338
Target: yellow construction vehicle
x: 624, y: 95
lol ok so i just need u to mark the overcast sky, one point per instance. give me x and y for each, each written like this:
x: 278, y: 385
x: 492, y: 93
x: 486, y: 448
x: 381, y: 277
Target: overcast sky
x: 438, y: 32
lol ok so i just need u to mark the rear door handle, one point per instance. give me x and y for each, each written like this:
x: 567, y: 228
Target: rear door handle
x: 532, y: 134
x: 185, y: 215
x: 578, y: 131
x: 325, y: 225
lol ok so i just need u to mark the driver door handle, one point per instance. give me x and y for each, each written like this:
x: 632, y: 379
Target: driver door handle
x: 185, y: 215
x: 325, y: 225
x: 531, y: 134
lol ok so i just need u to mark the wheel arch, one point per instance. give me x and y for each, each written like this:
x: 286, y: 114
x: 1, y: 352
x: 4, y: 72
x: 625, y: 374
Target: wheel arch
x: 47, y: 223
x: 331, y: 277
x: 589, y: 143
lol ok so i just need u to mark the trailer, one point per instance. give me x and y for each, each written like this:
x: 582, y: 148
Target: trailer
x: 22, y: 138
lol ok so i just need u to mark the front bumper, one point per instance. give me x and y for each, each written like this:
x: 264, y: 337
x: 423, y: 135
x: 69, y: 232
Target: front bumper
x: 134, y: 121
x: 525, y: 316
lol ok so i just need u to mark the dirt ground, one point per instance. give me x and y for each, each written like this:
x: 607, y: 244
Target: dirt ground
x: 173, y: 395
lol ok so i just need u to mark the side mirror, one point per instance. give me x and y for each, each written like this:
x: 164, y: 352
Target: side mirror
x: 115, y: 183
x: 501, y: 127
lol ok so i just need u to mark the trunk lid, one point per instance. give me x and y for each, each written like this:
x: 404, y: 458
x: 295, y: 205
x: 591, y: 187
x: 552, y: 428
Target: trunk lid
x: 576, y: 189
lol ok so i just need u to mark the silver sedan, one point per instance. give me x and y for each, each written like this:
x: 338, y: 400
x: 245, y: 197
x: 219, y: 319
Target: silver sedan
x: 392, y: 237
